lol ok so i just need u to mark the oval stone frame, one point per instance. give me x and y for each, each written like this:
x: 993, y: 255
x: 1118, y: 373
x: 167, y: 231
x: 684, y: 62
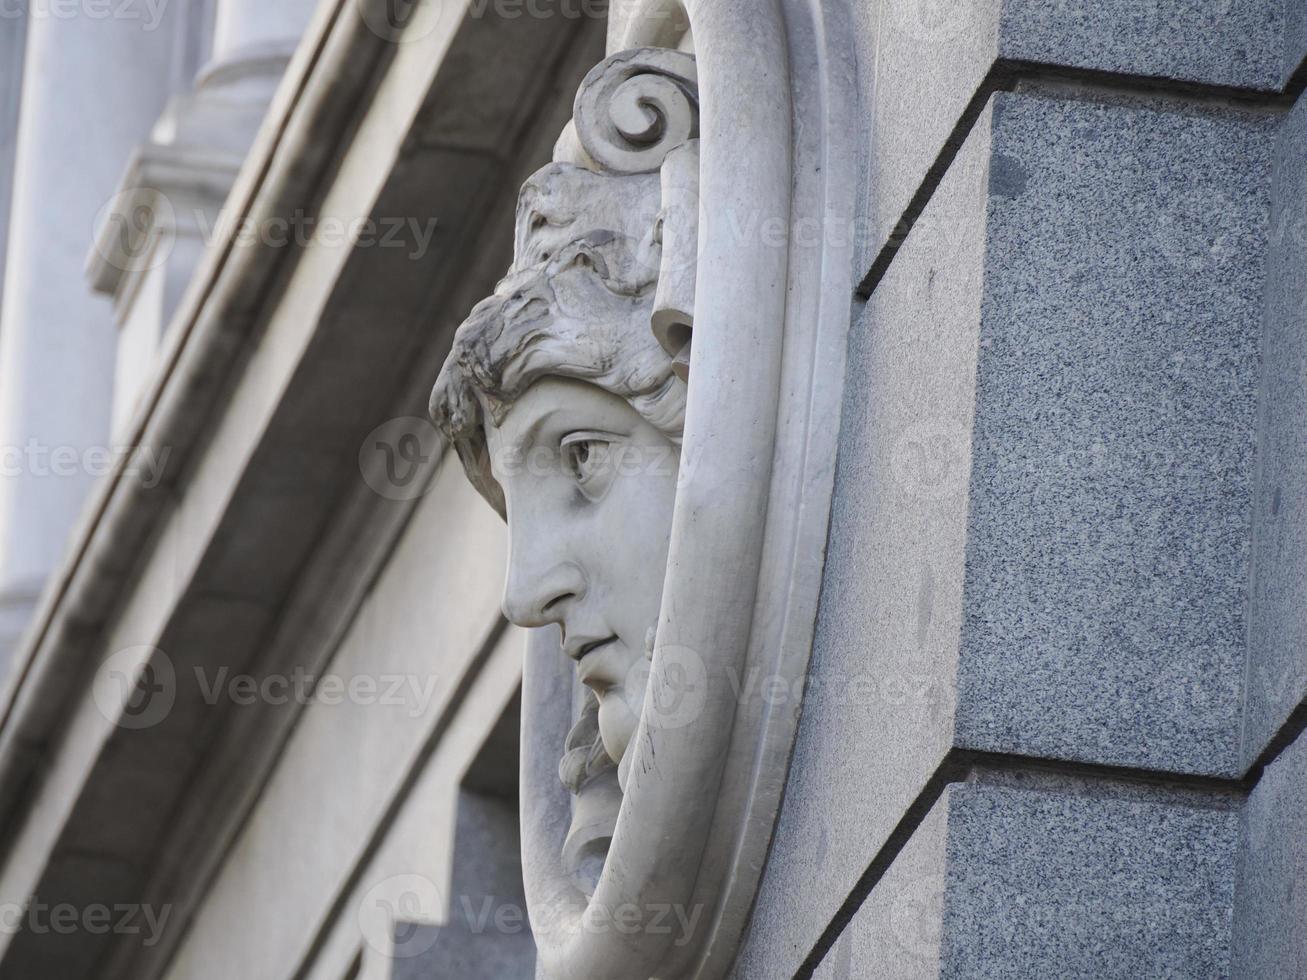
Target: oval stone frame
x: 771, y: 319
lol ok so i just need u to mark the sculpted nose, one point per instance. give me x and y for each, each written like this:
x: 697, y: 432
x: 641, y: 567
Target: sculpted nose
x: 538, y: 596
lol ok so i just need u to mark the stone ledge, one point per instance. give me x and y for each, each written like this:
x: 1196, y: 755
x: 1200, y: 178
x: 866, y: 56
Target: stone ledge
x: 1016, y: 875
x: 1041, y: 274
x: 923, y: 64
x: 1271, y: 904
x: 1207, y: 42
x: 1277, y: 667
x: 1113, y: 456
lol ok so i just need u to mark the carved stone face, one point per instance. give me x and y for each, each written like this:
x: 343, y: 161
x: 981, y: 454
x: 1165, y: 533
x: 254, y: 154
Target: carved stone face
x: 589, y: 486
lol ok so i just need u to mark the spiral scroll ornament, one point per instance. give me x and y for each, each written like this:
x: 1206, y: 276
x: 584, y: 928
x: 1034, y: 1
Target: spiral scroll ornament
x: 637, y: 106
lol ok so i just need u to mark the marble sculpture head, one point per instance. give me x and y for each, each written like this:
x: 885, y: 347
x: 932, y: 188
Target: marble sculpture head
x: 567, y: 417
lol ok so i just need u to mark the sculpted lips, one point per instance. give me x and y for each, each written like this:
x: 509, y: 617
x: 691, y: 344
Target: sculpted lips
x: 589, y: 658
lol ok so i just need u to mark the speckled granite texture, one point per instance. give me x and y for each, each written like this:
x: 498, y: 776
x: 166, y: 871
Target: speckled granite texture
x: 1295, y: 36
x: 1277, y: 655
x: 1054, y: 388
x: 1013, y: 877
x: 1057, y: 877
x: 1270, y: 923
x: 922, y: 61
x: 1217, y: 42
x: 1114, y: 451
x: 426, y: 952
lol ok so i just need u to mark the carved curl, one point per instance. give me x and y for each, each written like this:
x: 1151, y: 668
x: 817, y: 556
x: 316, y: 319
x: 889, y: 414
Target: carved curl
x: 636, y: 107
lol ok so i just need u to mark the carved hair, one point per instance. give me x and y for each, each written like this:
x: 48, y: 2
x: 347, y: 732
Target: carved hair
x: 575, y: 304
x: 578, y: 300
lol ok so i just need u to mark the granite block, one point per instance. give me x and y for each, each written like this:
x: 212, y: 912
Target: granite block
x: 1114, y: 450
x: 1051, y: 393
x: 1295, y: 37
x: 1018, y: 875
x: 1270, y: 941
x: 1234, y: 43
x: 877, y: 718
x: 1060, y: 877
x: 923, y: 62
x: 1277, y: 654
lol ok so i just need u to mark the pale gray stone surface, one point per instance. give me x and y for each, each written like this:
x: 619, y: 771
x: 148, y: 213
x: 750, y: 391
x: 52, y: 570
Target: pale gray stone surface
x: 1112, y: 477
x: 1270, y: 942
x: 1277, y: 654
x: 877, y: 717
x: 75, y: 133
x: 920, y: 65
x: 13, y: 34
x: 487, y: 935
x: 1113, y: 255
x: 1059, y: 877
x: 895, y: 934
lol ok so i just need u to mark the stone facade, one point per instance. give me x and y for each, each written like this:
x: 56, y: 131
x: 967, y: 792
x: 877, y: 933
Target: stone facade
x: 265, y: 709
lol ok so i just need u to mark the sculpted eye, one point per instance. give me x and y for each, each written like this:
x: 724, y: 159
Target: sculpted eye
x: 586, y: 456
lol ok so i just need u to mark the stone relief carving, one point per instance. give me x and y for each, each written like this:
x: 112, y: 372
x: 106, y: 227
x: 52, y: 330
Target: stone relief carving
x: 666, y: 500
x: 567, y: 412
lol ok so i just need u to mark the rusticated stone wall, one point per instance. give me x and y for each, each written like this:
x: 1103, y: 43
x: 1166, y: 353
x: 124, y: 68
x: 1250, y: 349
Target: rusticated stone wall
x: 1054, y: 721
